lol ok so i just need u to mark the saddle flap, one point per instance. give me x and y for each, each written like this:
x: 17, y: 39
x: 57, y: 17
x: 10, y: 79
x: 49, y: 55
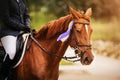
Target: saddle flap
x: 19, y: 44
x: 20, y: 50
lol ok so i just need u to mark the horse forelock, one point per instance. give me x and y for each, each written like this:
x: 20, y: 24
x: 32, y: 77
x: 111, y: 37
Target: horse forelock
x: 54, y: 28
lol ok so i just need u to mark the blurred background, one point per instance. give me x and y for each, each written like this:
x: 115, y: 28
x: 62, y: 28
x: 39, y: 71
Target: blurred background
x: 105, y: 38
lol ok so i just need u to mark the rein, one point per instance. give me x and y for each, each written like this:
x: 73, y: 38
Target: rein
x: 40, y: 46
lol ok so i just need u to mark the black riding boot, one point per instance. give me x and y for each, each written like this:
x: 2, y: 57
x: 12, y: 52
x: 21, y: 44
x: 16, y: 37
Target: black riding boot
x: 5, y: 68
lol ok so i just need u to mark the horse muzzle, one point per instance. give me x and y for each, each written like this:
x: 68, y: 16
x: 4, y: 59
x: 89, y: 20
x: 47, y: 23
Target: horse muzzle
x: 86, y: 57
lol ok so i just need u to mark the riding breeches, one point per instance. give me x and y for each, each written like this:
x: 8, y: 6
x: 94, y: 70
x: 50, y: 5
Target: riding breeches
x: 9, y: 44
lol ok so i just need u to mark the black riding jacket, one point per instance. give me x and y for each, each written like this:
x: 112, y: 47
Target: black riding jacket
x: 14, y: 17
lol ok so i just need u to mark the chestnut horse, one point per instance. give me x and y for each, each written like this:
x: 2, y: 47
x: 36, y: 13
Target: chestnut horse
x: 41, y: 61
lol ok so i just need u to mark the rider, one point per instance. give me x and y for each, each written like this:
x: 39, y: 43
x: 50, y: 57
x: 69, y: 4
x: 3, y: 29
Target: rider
x: 14, y: 18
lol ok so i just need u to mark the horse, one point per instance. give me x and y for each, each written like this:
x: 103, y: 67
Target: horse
x: 41, y: 60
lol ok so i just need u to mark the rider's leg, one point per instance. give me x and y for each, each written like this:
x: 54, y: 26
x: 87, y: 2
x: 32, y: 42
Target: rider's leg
x: 9, y: 43
x: 5, y: 68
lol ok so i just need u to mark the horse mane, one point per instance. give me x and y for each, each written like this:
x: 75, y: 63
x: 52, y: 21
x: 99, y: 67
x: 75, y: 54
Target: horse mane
x: 54, y: 27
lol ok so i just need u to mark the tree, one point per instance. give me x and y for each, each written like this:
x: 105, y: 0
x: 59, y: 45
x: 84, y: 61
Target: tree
x: 101, y: 8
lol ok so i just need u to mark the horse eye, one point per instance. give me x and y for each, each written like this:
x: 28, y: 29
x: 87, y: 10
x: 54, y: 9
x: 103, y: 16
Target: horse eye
x: 78, y: 31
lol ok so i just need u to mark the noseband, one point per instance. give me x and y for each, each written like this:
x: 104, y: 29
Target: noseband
x: 79, y: 53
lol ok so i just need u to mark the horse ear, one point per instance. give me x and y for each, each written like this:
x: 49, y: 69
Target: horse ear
x: 74, y: 13
x: 88, y: 12
x: 81, y: 12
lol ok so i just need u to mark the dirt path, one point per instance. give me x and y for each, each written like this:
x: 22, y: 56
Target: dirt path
x: 102, y: 68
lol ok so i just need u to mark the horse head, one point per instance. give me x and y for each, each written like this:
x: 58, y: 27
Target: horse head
x: 80, y: 35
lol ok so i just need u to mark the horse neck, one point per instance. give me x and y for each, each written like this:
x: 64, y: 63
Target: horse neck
x: 54, y: 28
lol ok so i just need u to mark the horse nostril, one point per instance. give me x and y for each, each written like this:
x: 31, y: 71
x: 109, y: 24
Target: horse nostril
x: 86, y: 59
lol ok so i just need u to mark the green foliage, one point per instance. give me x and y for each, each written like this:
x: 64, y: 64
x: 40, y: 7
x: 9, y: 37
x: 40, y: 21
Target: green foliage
x: 101, y: 8
x: 40, y: 18
x: 105, y: 8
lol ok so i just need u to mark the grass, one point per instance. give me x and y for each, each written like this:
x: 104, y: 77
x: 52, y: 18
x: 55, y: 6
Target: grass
x: 64, y: 62
x: 106, y: 30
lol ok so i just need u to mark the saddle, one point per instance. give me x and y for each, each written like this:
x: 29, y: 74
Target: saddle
x: 20, y: 50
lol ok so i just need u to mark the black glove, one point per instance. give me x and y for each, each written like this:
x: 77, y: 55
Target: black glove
x: 27, y: 29
x: 33, y: 31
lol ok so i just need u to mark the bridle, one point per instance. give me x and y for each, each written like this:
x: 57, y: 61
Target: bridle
x: 79, y: 53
